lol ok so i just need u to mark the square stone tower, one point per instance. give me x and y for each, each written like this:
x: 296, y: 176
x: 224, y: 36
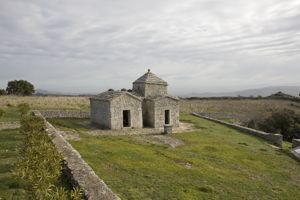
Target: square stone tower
x: 149, y: 85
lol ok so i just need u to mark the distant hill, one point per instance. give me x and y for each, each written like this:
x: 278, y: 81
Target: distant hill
x: 264, y: 92
x: 41, y: 92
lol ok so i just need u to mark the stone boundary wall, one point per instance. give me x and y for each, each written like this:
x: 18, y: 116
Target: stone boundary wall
x: 64, y: 114
x: 79, y: 172
x: 296, y: 153
x: 296, y: 143
x: 275, y: 139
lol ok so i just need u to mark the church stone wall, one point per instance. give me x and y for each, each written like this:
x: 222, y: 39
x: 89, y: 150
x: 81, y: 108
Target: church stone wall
x: 163, y: 104
x: 125, y: 102
x: 155, y: 90
x: 139, y: 88
x: 100, y: 113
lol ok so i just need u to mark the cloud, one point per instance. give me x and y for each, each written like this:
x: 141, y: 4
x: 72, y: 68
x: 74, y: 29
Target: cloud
x: 196, y: 45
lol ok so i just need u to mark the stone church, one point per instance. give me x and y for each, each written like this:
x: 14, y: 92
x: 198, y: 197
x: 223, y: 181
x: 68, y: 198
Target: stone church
x: 148, y: 104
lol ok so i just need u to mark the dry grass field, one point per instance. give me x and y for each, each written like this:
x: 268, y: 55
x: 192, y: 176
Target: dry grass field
x: 237, y: 109
x: 47, y: 102
x: 240, y: 110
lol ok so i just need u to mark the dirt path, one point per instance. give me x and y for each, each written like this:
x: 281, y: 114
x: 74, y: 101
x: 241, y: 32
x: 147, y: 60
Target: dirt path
x: 183, y: 127
x: 150, y: 135
x: 70, y: 135
x: 160, y: 139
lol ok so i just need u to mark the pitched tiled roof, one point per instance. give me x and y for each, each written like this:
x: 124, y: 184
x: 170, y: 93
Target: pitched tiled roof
x: 109, y: 95
x: 151, y: 78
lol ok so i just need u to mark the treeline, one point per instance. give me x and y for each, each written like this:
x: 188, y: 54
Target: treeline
x: 18, y: 87
x: 40, y: 167
x: 291, y: 98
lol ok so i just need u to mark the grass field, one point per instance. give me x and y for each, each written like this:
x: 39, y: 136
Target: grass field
x: 49, y: 102
x: 10, y: 188
x: 239, y: 110
x: 215, y: 163
x: 11, y: 114
x: 10, y: 140
x: 227, y: 109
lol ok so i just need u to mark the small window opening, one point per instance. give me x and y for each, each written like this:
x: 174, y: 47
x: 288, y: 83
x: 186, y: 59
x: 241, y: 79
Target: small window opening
x: 167, y: 116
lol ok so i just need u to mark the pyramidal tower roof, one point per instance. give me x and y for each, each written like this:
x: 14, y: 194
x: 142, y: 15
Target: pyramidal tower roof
x: 150, y: 78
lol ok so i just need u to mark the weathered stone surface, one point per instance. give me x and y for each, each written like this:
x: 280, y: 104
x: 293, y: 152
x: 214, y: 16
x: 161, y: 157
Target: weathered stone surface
x: 107, y: 110
x: 161, y: 104
x: 296, y: 152
x: 150, y: 85
x: 100, y: 113
x: 296, y: 143
x: 125, y: 102
x: 64, y: 114
x: 168, y: 129
x: 147, y: 104
x: 275, y: 139
x: 80, y: 173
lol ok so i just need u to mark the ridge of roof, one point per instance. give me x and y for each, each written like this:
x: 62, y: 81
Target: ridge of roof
x: 163, y: 96
x: 110, y: 95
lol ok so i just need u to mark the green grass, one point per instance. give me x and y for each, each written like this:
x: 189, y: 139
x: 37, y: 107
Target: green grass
x: 11, y: 114
x: 226, y: 164
x: 10, y: 188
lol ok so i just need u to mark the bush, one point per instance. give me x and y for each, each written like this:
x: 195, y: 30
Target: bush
x: 2, y: 112
x: 285, y: 122
x: 2, y: 92
x: 40, y: 165
x: 9, y: 105
x: 20, y: 87
x: 23, y: 108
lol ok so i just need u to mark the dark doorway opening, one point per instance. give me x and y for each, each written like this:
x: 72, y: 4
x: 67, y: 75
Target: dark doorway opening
x: 167, y: 116
x: 126, y: 118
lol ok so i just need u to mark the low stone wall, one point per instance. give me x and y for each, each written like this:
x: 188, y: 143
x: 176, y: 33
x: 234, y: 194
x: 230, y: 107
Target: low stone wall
x: 64, y: 114
x: 296, y: 143
x: 275, y: 139
x: 296, y: 153
x: 79, y: 172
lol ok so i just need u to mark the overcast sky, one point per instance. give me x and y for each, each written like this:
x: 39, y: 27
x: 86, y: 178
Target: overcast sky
x: 195, y: 45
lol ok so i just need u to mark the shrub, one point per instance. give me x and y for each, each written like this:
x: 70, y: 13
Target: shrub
x: 2, y: 92
x: 23, y: 108
x: 285, y: 122
x: 39, y: 164
x: 2, y: 112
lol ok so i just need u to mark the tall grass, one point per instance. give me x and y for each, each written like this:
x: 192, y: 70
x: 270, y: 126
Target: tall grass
x: 48, y: 102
